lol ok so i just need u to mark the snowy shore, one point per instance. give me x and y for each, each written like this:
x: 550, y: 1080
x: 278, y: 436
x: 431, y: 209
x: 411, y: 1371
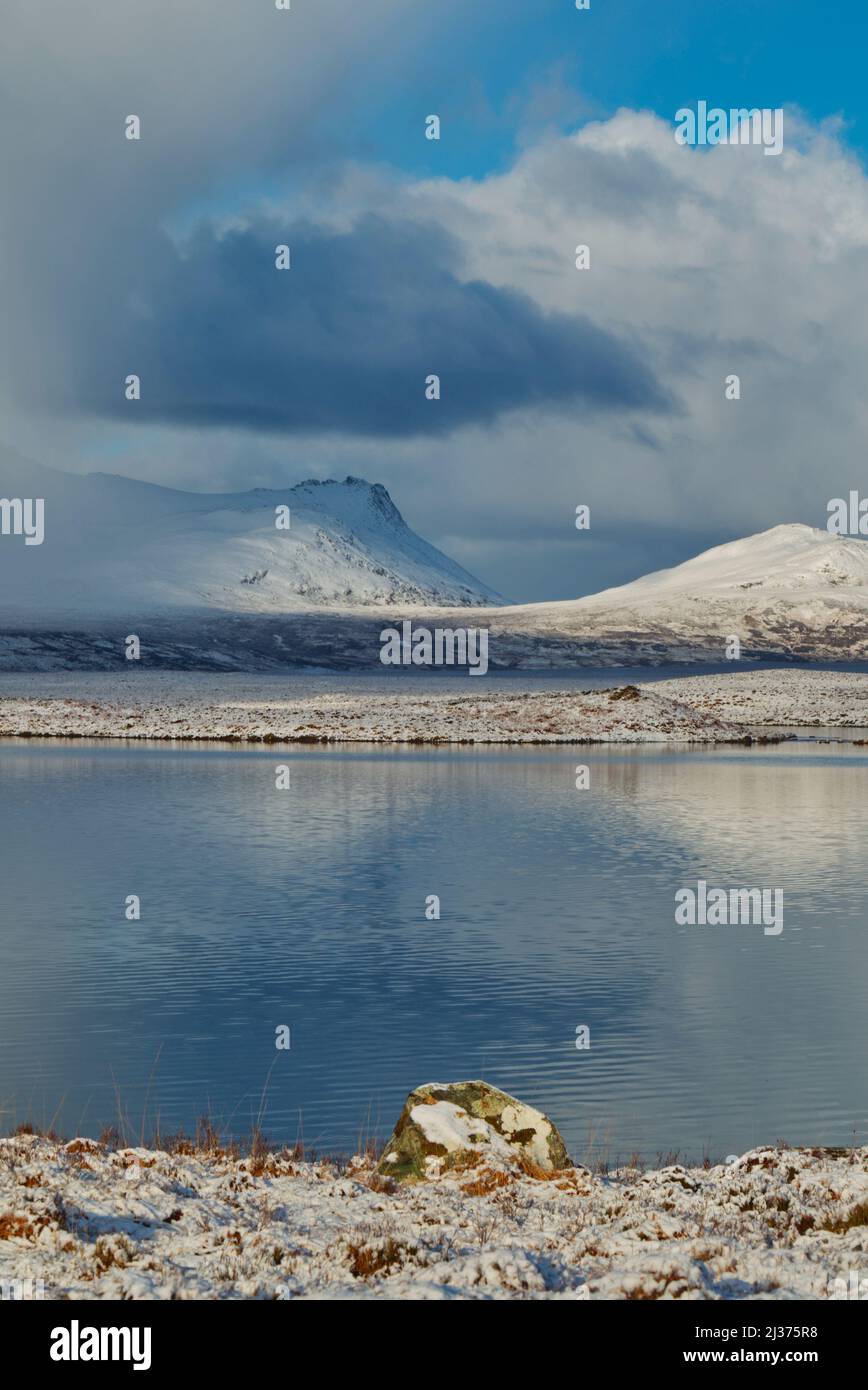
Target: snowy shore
x: 169, y: 705
x: 793, y: 697
x: 91, y: 1223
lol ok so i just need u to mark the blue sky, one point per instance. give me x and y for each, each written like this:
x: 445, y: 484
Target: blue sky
x: 413, y: 256
x: 502, y: 71
x: 481, y: 74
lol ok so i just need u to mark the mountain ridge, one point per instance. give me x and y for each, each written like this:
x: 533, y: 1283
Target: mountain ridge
x: 114, y: 543
x: 203, y: 566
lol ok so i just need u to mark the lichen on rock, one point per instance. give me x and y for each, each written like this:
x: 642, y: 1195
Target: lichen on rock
x: 456, y: 1125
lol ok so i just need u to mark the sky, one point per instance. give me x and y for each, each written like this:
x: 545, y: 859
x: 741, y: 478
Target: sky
x: 560, y: 387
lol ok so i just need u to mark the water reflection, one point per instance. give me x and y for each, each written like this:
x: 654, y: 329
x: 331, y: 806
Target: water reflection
x: 306, y: 907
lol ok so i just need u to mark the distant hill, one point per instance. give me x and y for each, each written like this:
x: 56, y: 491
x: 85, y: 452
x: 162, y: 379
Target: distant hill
x: 223, y: 588
x: 793, y: 591
x: 116, y: 545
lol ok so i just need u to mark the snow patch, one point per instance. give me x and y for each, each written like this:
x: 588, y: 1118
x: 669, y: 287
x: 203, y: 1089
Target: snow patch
x: 451, y: 1127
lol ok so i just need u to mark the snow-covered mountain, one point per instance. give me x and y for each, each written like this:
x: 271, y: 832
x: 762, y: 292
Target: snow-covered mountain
x: 115, y: 545
x: 213, y: 581
x: 792, y: 591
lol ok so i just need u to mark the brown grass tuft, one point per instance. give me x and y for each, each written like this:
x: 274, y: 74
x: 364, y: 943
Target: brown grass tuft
x: 857, y: 1217
x: 367, y: 1260
x: 486, y: 1181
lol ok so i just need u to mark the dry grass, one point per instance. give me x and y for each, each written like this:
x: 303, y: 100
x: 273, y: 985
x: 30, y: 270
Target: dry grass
x: 14, y: 1227
x: 486, y: 1182
x: 367, y: 1260
x: 29, y: 1128
x: 113, y: 1252
x: 857, y: 1217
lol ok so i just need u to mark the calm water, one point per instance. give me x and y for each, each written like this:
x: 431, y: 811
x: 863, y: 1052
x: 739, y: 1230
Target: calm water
x: 307, y: 908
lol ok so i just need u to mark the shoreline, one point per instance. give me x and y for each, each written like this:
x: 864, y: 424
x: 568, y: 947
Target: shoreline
x: 739, y: 707
x: 85, y: 1221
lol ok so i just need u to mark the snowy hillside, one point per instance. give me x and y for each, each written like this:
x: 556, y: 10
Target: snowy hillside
x: 215, y: 580
x: 785, y: 562
x: 793, y: 590
x: 116, y: 545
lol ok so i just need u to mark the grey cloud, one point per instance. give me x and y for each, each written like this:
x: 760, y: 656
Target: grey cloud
x: 624, y: 184
x: 231, y: 97
x: 343, y: 342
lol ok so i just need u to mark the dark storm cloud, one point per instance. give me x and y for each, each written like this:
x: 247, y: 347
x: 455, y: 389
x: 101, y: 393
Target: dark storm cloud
x: 233, y: 103
x: 343, y: 341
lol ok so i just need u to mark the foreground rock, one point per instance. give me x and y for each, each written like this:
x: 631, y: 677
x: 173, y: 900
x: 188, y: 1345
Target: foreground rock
x: 137, y: 1224
x: 444, y: 1128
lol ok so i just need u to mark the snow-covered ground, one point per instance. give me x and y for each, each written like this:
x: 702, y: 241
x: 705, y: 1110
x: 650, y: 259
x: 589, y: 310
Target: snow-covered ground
x: 816, y: 699
x: 134, y: 1223
x: 166, y: 705
x: 187, y: 705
